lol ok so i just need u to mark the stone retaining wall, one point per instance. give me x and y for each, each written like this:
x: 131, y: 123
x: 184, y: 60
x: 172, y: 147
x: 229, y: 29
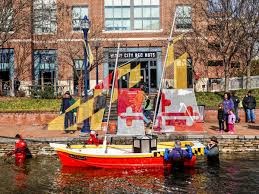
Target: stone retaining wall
x: 227, y: 143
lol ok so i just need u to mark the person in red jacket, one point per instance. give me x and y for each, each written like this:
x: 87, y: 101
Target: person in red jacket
x: 21, y: 150
x: 93, y: 139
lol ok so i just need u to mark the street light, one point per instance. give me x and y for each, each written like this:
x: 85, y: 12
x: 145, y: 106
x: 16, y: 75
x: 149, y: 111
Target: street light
x: 85, y: 26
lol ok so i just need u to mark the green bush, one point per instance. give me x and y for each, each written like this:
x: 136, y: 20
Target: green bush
x: 47, y: 92
x: 28, y: 104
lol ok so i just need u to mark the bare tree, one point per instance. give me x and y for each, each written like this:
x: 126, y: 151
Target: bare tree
x: 226, y: 33
x: 14, y: 18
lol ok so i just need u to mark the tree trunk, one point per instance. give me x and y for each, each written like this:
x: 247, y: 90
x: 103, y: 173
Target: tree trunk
x: 248, y: 76
x: 226, y: 71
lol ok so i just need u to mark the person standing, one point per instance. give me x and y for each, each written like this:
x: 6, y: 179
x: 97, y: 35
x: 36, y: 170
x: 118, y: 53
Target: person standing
x: 231, y: 121
x: 227, y: 105
x: 236, y: 103
x: 21, y: 150
x: 67, y: 101
x: 16, y: 86
x: 147, y: 109
x: 249, y: 103
x: 221, y: 118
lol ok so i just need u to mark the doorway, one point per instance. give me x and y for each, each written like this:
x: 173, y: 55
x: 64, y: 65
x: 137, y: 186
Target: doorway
x: 5, y: 83
x: 148, y: 72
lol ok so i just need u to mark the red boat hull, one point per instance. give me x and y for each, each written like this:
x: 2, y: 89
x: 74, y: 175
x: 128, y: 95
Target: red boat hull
x: 68, y: 159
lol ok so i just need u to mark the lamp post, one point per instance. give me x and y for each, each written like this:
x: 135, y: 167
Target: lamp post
x: 85, y: 25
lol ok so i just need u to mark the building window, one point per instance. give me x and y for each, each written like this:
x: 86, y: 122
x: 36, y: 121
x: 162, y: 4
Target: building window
x: 45, y: 59
x: 214, y: 6
x: 183, y: 17
x: 214, y: 46
x: 132, y: 15
x: 215, y: 63
x: 78, y: 13
x: 6, y: 24
x: 6, y: 58
x: 45, y: 67
x: 235, y: 64
x: 44, y: 16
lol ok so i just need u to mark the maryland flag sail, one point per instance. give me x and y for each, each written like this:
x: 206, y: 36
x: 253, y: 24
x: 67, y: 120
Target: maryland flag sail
x: 87, y: 109
x: 180, y: 72
x: 170, y: 56
x: 135, y: 76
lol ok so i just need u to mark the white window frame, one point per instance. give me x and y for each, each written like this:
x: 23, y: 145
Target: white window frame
x: 87, y: 14
x: 188, y: 17
x: 41, y: 9
x: 132, y: 5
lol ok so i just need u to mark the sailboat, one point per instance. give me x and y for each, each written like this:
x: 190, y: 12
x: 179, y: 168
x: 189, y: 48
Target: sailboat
x: 145, y: 150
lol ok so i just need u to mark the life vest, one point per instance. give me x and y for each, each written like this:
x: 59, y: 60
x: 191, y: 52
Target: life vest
x: 93, y: 140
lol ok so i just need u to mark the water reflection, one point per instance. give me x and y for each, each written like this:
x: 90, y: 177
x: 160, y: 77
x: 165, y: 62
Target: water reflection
x: 235, y: 174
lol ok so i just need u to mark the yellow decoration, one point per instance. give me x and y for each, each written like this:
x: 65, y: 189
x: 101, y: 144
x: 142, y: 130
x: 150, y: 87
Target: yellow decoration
x: 96, y: 120
x: 135, y: 76
x: 123, y: 70
x: 180, y: 72
x: 85, y: 110
x: 57, y: 123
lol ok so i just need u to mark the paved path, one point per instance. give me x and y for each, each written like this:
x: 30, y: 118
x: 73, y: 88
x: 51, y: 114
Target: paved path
x: 211, y: 128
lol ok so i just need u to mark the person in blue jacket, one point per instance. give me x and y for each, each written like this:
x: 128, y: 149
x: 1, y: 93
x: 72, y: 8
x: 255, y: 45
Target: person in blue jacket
x: 177, y: 155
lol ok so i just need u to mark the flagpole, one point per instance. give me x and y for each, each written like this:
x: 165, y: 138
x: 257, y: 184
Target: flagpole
x: 163, y: 72
x: 113, y: 83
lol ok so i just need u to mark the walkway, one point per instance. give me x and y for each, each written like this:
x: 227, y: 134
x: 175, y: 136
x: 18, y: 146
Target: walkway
x: 36, y: 131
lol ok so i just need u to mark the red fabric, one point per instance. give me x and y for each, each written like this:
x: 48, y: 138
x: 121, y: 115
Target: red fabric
x: 94, y: 140
x: 20, y: 150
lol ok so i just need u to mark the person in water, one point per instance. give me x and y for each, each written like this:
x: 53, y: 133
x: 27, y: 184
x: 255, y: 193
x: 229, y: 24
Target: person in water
x: 21, y: 151
x: 177, y: 155
x: 212, y: 150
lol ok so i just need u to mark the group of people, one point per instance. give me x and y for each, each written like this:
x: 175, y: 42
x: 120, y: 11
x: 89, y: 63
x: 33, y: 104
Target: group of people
x: 177, y: 156
x: 228, y: 111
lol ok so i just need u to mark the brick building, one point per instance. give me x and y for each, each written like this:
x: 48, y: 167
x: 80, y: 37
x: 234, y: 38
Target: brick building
x: 48, y: 50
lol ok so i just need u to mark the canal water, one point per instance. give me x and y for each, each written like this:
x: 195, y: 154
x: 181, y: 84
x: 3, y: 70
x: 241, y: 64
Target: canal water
x: 237, y: 173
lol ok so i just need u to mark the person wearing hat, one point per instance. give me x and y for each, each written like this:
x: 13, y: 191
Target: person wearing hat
x: 212, y: 149
x: 67, y: 101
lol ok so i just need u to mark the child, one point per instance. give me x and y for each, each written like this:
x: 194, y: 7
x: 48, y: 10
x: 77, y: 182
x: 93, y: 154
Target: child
x: 221, y: 118
x: 231, y: 121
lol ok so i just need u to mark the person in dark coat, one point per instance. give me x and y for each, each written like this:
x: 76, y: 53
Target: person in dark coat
x: 212, y: 150
x: 221, y: 118
x: 236, y: 103
x: 67, y: 101
x: 249, y: 104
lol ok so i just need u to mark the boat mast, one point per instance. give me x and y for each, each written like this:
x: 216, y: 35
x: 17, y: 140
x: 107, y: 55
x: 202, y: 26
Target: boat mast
x: 163, y: 72
x: 110, y: 104
x: 113, y: 83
